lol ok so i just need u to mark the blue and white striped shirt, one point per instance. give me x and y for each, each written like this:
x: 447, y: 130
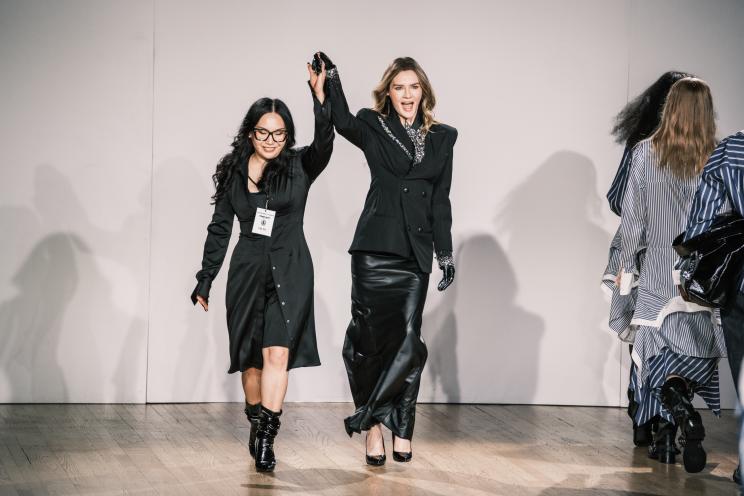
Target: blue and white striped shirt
x: 620, y: 183
x: 722, y: 179
x: 655, y: 210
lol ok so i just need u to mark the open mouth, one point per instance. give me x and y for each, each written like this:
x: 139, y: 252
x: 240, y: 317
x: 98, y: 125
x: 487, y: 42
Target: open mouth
x: 408, y: 106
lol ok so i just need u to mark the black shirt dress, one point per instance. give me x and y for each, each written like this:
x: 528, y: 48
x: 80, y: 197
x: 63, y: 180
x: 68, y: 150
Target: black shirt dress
x: 269, y: 294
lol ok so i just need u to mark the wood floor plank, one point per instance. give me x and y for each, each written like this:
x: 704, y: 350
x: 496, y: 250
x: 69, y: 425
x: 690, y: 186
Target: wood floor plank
x: 201, y: 449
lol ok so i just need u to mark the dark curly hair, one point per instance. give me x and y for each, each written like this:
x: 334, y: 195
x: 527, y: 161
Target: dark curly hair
x: 641, y: 116
x: 242, y: 148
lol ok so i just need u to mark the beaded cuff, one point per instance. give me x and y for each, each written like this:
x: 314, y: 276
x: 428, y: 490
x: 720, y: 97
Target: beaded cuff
x: 445, y: 258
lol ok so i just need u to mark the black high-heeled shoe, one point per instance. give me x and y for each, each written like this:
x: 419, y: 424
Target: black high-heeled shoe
x: 375, y: 460
x: 401, y: 456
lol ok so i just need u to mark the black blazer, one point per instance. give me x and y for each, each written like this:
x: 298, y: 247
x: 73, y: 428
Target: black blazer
x: 407, y: 209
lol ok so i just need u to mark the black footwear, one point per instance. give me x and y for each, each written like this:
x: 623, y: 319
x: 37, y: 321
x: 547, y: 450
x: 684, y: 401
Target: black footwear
x: 252, y: 412
x: 401, y: 456
x: 675, y: 398
x: 663, y: 447
x: 268, y: 428
x: 642, y: 435
x: 375, y: 460
x: 737, y: 474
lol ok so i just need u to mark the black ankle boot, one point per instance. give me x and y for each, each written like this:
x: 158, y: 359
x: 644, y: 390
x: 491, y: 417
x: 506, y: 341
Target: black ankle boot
x: 676, y: 400
x: 268, y: 428
x: 663, y: 447
x: 252, y: 412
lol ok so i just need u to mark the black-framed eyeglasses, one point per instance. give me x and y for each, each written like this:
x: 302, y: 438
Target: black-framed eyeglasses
x: 278, y: 135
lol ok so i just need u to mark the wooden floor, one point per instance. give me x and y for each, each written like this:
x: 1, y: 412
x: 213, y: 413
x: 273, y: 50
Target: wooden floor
x: 458, y: 450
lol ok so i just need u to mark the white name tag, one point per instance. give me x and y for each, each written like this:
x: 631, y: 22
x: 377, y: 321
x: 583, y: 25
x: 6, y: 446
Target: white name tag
x: 264, y: 221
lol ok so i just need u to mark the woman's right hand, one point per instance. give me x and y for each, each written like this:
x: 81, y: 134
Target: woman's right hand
x: 202, y: 302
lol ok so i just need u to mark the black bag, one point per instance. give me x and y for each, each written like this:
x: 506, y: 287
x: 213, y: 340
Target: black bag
x: 712, y: 262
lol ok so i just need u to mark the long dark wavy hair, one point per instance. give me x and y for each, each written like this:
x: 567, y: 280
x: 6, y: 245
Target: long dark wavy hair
x: 242, y: 148
x: 641, y: 116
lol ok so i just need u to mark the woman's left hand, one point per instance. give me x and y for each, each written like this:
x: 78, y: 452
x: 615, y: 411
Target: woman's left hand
x: 317, y: 81
x: 448, y: 275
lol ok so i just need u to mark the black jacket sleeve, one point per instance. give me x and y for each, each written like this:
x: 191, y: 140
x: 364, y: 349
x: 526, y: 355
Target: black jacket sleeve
x: 441, y: 207
x: 315, y: 157
x: 349, y: 126
x: 215, y: 247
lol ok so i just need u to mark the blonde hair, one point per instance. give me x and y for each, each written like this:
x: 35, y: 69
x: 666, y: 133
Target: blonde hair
x: 686, y: 134
x: 380, y: 93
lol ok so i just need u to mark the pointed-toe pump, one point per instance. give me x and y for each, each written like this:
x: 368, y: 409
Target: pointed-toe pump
x: 401, y: 456
x: 375, y: 460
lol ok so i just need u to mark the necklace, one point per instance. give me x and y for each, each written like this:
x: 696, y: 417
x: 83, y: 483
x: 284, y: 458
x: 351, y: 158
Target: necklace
x: 249, y: 174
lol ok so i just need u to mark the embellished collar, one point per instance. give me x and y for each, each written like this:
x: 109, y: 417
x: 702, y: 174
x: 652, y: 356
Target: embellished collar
x: 410, y: 138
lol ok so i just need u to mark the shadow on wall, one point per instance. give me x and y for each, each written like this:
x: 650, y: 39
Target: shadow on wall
x: 201, y: 351
x: 496, y: 338
x: 64, y: 318
x: 31, y: 321
x: 551, y: 222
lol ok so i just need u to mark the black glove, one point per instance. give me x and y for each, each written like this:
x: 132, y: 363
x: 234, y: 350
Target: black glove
x: 447, y: 264
x: 317, y: 66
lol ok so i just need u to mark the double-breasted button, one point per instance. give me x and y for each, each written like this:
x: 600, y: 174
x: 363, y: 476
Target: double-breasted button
x: 419, y: 229
x: 284, y: 303
x: 278, y: 285
x: 273, y: 268
x: 405, y: 190
x: 287, y: 321
x: 423, y: 193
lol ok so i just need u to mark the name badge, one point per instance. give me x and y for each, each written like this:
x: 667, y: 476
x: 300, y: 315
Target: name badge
x: 264, y: 221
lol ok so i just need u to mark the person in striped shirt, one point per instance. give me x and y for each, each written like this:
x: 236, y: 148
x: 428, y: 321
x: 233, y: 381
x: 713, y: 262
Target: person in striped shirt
x: 635, y: 122
x: 721, y: 189
x: 676, y: 344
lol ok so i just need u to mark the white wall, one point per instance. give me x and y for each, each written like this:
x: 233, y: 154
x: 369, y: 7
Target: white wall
x: 531, y: 86
x: 75, y: 151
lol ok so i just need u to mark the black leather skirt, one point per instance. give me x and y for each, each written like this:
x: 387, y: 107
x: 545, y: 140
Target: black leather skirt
x: 383, y: 350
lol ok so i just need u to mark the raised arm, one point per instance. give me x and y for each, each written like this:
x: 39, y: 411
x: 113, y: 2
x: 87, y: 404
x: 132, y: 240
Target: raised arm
x: 215, y: 247
x: 633, y: 221
x: 316, y: 156
x: 347, y: 124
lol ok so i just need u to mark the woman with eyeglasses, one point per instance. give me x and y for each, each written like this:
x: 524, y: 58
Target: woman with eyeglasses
x: 406, y: 219
x: 264, y: 182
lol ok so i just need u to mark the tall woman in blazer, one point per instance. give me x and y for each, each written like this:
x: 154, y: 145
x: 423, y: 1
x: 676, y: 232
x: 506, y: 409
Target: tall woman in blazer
x: 264, y: 182
x: 406, y: 217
